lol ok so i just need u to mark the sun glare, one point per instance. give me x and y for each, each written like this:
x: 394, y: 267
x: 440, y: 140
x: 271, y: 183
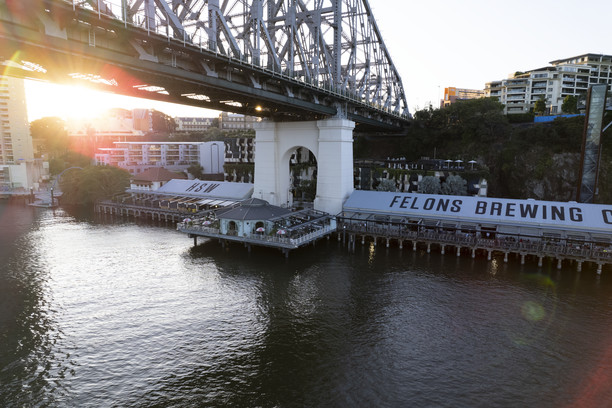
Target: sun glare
x: 75, y: 102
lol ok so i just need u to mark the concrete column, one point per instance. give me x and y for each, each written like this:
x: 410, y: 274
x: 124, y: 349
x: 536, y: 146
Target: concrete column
x: 505, y: 257
x: 335, y: 164
x: 559, y: 263
x: 458, y: 251
x: 488, y: 255
x: 414, y: 245
x: 428, y: 247
x: 266, y: 162
x: 579, y: 266
x: 387, y: 242
x: 522, y: 259
x: 473, y: 253
x: 540, y: 261
x: 442, y: 249
x: 362, y: 239
x: 599, y: 268
x: 401, y: 243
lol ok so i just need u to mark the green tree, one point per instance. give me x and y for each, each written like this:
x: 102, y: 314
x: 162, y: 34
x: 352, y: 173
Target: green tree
x: 570, y: 104
x: 540, y: 105
x: 430, y: 185
x: 196, y: 170
x: 93, y: 183
x: 386, y: 185
x: 454, y: 185
x: 51, y: 131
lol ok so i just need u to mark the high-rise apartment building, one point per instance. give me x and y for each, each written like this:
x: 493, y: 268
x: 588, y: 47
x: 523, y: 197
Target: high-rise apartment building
x: 137, y: 157
x: 452, y: 95
x: 568, y: 76
x: 235, y: 121
x: 16, y: 141
x: 18, y: 167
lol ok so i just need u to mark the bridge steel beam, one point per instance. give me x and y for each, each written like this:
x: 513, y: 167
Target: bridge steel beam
x: 283, y: 60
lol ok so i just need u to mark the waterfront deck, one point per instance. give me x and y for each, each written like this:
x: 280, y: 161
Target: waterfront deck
x: 140, y: 211
x: 598, y: 253
x: 285, y: 244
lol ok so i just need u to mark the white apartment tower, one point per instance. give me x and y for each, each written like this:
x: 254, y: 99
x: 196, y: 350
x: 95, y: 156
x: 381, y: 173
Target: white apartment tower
x: 15, y: 141
x: 569, y: 76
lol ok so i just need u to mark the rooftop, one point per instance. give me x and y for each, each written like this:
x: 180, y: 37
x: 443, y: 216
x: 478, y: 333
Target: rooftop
x: 253, y: 209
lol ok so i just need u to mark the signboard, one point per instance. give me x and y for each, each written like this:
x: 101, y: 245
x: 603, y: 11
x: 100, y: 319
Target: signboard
x: 484, y: 210
x: 206, y: 189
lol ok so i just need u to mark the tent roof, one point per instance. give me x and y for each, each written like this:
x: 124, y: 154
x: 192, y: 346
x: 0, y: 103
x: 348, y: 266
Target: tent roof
x: 252, y: 209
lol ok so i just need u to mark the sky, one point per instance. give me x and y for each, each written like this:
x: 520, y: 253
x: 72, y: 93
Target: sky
x: 433, y: 44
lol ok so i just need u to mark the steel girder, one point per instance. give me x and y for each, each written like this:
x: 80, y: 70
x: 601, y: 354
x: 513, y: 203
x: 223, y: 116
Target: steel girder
x: 331, y: 48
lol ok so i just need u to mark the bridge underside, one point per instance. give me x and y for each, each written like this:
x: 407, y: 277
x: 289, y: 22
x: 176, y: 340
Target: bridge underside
x: 60, y: 47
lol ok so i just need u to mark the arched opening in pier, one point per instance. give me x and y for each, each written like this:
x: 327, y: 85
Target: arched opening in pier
x: 302, y: 176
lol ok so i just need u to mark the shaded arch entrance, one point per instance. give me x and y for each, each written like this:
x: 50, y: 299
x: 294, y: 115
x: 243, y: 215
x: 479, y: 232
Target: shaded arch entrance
x: 331, y: 143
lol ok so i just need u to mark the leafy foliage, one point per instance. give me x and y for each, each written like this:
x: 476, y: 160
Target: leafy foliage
x: 307, y: 190
x: 93, y: 183
x: 570, y: 104
x: 540, y: 105
x: 52, y: 132
x: 386, y: 185
x: 196, y: 170
x: 522, y: 159
x: 454, y: 185
x: 430, y: 185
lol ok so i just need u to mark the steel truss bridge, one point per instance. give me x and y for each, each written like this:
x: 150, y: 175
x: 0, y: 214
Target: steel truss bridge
x: 283, y: 59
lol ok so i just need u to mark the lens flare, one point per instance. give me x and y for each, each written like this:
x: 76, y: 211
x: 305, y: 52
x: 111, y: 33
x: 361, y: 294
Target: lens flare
x: 533, y: 311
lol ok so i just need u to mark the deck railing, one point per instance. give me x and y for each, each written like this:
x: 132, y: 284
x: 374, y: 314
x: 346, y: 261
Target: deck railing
x: 516, y: 244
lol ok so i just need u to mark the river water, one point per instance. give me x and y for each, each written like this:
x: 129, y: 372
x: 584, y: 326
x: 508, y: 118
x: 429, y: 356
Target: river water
x: 97, y: 312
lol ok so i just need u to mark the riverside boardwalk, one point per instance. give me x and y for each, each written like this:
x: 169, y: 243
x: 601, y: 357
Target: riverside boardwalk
x: 572, y: 231
x: 351, y: 232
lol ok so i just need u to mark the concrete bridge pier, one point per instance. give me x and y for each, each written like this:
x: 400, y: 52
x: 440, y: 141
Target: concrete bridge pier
x: 428, y: 248
x: 489, y: 253
x: 401, y: 243
x: 522, y: 259
x: 540, y: 259
x: 599, y: 268
x: 458, y: 251
x: 414, y: 246
x: 579, y: 266
x: 329, y: 140
x: 505, y: 257
x: 559, y: 263
x: 473, y: 253
x: 442, y: 249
